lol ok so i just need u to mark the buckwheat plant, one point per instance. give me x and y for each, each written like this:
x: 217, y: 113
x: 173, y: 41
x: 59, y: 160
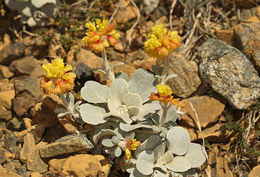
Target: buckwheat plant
x: 133, y: 119
x: 60, y: 81
x: 100, y: 35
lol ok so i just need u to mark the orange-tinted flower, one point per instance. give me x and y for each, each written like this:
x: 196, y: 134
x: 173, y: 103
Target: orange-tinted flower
x: 165, y: 95
x: 131, y: 145
x: 57, y: 79
x: 161, y: 42
x: 99, y: 34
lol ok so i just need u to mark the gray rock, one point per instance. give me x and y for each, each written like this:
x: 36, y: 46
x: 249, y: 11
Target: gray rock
x: 11, y: 52
x: 27, y: 94
x: 23, y: 102
x: 14, y: 124
x: 35, y: 163
x: 248, y: 35
x: 10, y: 141
x: 230, y: 73
x: 24, y: 65
x: 66, y: 145
x: 188, y: 79
x: 30, y: 85
x: 5, y: 115
x: 83, y: 73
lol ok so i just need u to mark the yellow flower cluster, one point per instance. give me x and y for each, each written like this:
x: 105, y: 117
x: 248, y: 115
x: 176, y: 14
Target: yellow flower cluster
x: 131, y: 145
x: 161, y: 42
x: 99, y: 34
x: 57, y: 79
x: 165, y: 95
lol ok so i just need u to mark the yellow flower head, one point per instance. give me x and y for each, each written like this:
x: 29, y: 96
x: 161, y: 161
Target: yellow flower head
x: 165, y: 95
x: 164, y: 90
x: 161, y: 42
x: 131, y: 145
x: 99, y: 34
x: 57, y: 79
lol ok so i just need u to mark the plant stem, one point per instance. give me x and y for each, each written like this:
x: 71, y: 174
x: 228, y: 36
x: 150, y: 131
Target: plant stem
x: 165, y: 107
x: 109, y: 73
x: 165, y: 70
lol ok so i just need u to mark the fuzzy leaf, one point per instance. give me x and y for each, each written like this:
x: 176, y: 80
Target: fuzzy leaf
x: 123, y: 76
x: 118, y: 89
x: 132, y: 99
x: 145, y: 162
x: 128, y: 128
x: 142, y: 83
x: 113, y: 104
x: 146, y: 110
x: 107, y: 143
x: 118, y: 151
x: 160, y: 166
x: 179, y: 164
x: 149, y: 144
x: 94, y: 92
x: 136, y: 173
x: 178, y: 140
x: 103, y: 132
x: 115, y: 139
x: 196, y: 154
x: 159, y: 150
x: 39, y: 4
x: 171, y: 114
x: 92, y: 114
x: 167, y: 157
x: 133, y: 110
x: 171, y: 76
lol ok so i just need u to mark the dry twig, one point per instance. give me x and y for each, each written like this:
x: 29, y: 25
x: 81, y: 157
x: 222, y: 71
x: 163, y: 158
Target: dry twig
x: 171, y: 11
x: 134, y: 25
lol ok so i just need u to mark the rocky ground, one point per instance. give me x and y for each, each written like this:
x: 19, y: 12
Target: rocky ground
x: 218, y: 68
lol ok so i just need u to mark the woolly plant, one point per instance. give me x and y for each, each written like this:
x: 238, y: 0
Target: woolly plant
x: 134, y: 119
x: 34, y: 12
x: 172, y: 154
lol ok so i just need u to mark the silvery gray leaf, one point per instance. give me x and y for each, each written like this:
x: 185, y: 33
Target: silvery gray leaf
x: 115, y: 139
x: 167, y: 157
x: 107, y: 143
x: 196, y: 154
x: 63, y: 113
x: 123, y: 76
x: 149, y: 144
x: 91, y: 114
x: 179, y: 164
x: 159, y: 150
x: 118, y: 151
x: 118, y: 89
x: 133, y: 111
x: 27, y: 11
x: 146, y: 110
x: 178, y: 140
x: 171, y: 115
x: 145, y: 162
x: 142, y: 83
x: 170, y: 76
x: 94, y: 92
x: 132, y: 99
x: 136, y: 173
x: 128, y: 128
x: 103, y: 132
x: 39, y: 4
